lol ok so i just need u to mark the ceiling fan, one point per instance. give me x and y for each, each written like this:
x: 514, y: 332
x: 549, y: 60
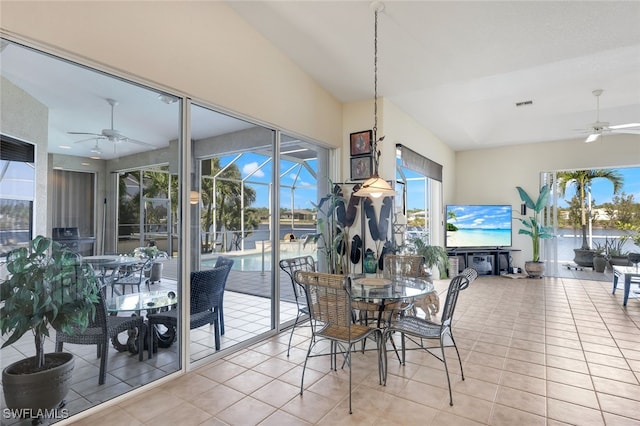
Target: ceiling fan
x: 110, y: 134
x: 597, y: 128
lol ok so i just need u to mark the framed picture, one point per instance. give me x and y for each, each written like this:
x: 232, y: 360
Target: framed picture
x: 361, y: 167
x: 361, y: 142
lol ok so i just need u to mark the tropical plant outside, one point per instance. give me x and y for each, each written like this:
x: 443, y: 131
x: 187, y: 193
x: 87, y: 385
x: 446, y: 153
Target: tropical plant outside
x: 582, y: 180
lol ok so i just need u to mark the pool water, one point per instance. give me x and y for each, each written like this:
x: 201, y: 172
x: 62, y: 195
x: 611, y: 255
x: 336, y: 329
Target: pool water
x: 246, y: 262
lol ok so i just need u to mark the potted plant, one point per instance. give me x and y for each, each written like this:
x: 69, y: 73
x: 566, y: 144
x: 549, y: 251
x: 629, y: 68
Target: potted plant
x: 47, y: 286
x: 533, y: 227
x: 434, y: 256
x: 614, y: 248
x: 599, y: 257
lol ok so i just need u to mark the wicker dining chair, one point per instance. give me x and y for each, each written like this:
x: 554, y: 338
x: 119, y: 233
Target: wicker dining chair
x: 103, y: 328
x: 329, y: 305
x: 419, y: 330
x: 290, y: 266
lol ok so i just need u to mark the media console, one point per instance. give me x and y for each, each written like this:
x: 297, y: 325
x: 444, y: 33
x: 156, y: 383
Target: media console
x: 485, y: 260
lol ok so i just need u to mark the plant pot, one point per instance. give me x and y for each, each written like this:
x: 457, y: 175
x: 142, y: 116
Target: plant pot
x: 41, y: 390
x: 619, y: 260
x: 599, y: 263
x: 583, y: 257
x: 534, y: 269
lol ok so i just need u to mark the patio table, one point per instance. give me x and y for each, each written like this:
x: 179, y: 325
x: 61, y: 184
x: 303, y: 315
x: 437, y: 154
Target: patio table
x: 628, y: 274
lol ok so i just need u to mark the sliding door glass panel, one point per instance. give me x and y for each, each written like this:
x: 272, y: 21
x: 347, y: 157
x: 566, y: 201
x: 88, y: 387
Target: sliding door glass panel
x: 94, y: 136
x: 302, y: 164
x: 232, y: 187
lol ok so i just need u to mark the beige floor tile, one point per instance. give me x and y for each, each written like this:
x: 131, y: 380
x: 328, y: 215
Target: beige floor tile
x: 443, y: 418
x: 614, y: 387
x: 247, y: 411
x: 310, y: 407
x: 467, y: 406
x: 619, y: 406
x: 569, y: 413
x: 276, y: 393
x: 623, y: 375
x: 248, y: 381
x: 572, y: 394
x: 280, y: 418
x: 185, y: 414
x: 522, y: 382
x: 215, y: 401
x: 577, y: 365
x: 521, y: 400
x: 526, y: 368
x: 608, y: 360
x: 569, y: 377
x: 509, y: 416
x: 615, y: 420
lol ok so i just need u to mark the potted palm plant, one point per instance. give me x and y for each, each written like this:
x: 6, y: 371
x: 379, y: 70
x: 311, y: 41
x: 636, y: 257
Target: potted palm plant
x: 533, y: 227
x: 434, y: 256
x: 47, y: 287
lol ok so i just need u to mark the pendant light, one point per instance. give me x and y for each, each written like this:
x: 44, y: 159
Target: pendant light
x: 375, y: 186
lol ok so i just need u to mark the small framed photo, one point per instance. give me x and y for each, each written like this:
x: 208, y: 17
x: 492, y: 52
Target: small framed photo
x: 361, y: 167
x: 361, y: 142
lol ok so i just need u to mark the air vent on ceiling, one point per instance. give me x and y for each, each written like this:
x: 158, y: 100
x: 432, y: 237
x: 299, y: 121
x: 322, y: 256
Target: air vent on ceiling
x: 524, y: 103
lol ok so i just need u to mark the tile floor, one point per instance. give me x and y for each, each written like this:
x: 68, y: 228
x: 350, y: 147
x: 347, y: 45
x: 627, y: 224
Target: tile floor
x: 549, y: 352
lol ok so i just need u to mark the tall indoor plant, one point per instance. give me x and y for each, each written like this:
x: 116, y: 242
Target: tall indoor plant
x: 533, y: 227
x: 47, y: 286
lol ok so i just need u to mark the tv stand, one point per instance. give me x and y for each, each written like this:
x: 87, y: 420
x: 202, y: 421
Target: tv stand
x: 486, y: 260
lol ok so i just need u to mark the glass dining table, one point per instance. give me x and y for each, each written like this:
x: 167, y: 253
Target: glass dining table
x: 384, y: 292
x: 149, y: 301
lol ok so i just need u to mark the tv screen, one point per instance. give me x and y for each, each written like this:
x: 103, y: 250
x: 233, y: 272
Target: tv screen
x: 478, y: 226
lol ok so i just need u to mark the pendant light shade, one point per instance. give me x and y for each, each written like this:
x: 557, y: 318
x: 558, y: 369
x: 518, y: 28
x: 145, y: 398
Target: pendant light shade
x: 375, y: 186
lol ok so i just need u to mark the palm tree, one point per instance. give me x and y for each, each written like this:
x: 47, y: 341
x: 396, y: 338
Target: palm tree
x: 582, y: 180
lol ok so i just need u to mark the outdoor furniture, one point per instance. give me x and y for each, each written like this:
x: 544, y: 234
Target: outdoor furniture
x: 290, y: 266
x: 418, y: 330
x: 628, y: 274
x: 227, y: 262
x: 131, y: 275
x: 329, y: 305
x: 100, y: 330
x: 206, y: 293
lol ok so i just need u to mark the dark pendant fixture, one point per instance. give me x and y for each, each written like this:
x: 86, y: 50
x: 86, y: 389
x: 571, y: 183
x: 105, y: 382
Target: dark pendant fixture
x: 375, y: 186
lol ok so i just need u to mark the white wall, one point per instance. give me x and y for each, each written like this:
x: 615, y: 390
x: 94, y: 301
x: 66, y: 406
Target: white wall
x: 193, y: 48
x: 490, y: 176
x: 25, y: 118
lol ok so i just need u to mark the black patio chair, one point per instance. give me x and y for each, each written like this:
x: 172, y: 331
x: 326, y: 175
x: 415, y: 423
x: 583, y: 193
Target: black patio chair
x: 103, y: 328
x: 228, y: 263
x: 206, y: 294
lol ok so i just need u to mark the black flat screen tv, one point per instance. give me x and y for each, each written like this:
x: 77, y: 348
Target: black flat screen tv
x: 473, y: 225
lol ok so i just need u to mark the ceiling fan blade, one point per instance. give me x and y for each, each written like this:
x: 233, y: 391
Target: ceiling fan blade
x: 84, y: 133
x: 624, y: 126
x: 592, y: 137
x: 89, y: 139
x: 137, y: 142
x: 626, y: 131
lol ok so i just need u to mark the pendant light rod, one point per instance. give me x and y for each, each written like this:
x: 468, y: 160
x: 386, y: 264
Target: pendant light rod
x: 375, y: 186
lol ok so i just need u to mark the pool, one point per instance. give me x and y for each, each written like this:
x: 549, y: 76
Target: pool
x: 249, y: 262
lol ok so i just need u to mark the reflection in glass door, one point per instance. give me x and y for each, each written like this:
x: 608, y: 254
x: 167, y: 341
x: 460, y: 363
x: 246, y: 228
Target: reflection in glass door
x: 303, y: 169
x: 232, y: 186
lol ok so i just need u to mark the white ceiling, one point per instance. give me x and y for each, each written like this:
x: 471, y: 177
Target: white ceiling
x: 458, y: 68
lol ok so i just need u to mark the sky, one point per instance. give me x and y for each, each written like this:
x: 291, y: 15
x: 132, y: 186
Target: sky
x: 305, y: 192
x: 602, y: 189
